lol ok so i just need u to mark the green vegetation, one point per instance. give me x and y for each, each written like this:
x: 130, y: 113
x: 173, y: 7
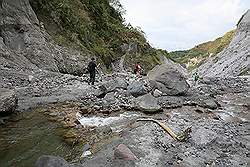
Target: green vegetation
x: 148, y: 59
x: 95, y: 26
x: 194, y: 57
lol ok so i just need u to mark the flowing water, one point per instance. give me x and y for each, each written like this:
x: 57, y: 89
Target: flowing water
x: 29, y: 135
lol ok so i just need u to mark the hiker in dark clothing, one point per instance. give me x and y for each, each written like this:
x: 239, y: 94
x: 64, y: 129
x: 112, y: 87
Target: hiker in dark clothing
x: 92, y: 71
x: 196, y: 78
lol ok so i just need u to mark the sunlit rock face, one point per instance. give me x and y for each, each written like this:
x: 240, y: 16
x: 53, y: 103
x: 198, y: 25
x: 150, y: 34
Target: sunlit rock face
x: 233, y: 60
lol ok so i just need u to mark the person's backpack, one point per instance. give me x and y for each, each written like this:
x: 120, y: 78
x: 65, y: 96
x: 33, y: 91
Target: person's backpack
x: 91, y: 67
x: 137, y: 68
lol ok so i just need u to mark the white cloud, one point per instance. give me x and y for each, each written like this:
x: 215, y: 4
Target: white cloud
x: 178, y: 24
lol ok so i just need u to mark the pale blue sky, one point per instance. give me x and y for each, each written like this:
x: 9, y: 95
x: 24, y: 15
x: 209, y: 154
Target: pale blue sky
x: 182, y: 24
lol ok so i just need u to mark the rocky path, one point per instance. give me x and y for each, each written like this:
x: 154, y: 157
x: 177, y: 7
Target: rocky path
x: 217, y: 111
x: 218, y: 117
x: 214, y: 141
x: 36, y: 72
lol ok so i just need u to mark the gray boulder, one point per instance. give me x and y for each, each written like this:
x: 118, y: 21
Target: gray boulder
x: 113, y: 84
x: 209, y: 103
x: 8, y: 101
x: 168, y: 80
x: 201, y: 100
x: 124, y: 153
x: 137, y: 89
x: 148, y: 104
x: 177, y: 66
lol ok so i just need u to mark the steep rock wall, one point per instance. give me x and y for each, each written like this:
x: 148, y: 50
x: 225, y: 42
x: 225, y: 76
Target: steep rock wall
x: 233, y: 60
x: 24, y: 43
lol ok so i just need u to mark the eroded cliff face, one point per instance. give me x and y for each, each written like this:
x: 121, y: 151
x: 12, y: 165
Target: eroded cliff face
x: 24, y: 45
x: 233, y: 60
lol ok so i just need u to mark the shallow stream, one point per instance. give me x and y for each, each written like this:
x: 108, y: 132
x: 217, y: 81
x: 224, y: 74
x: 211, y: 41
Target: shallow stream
x: 28, y: 135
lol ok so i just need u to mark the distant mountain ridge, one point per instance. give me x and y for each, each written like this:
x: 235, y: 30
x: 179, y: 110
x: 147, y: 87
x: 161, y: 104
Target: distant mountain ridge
x: 233, y: 60
x: 194, y: 57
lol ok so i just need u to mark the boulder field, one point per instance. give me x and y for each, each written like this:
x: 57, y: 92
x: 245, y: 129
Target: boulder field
x: 36, y: 72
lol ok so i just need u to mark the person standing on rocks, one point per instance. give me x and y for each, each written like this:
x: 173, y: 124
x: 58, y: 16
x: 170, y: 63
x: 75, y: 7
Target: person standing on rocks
x: 92, y: 71
x: 138, y: 68
x: 196, y: 78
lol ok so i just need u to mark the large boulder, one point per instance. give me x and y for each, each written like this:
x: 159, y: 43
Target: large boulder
x: 177, y: 66
x: 202, y: 100
x: 113, y: 84
x: 8, y: 101
x: 147, y: 103
x: 137, y: 89
x: 168, y: 80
